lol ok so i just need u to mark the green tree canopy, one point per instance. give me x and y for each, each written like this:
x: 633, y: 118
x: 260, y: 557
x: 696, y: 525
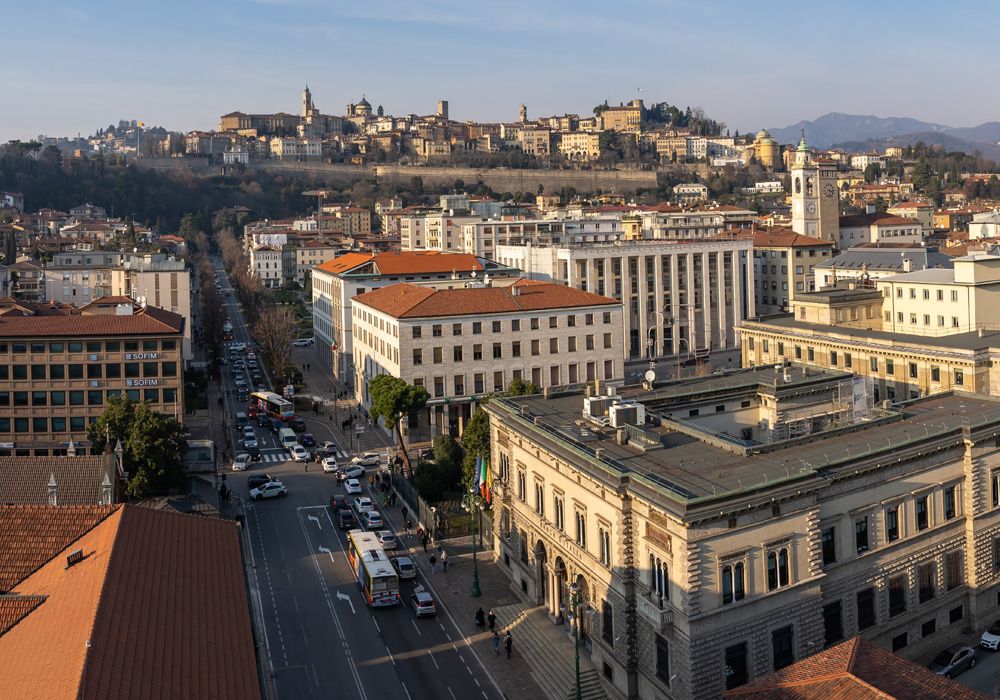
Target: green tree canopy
x: 392, y: 400
x: 152, y: 444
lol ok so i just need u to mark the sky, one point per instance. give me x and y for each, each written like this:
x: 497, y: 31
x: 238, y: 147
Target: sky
x: 74, y: 67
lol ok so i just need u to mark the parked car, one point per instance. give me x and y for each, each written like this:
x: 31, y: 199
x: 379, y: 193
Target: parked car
x: 388, y: 539
x: 339, y: 502
x: 255, y: 480
x: 302, y: 343
x: 363, y: 504
x: 299, y: 453
x: 346, y: 520
x: 404, y: 567
x: 352, y: 486
x: 991, y: 637
x: 297, y: 424
x: 368, y: 459
x: 241, y: 462
x: 372, y: 519
x: 330, y: 465
x: 272, y: 489
x: 953, y: 660
x: 307, y: 440
x: 422, y: 603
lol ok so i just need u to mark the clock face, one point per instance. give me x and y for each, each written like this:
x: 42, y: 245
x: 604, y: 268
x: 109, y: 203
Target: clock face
x: 829, y: 191
x: 811, y: 208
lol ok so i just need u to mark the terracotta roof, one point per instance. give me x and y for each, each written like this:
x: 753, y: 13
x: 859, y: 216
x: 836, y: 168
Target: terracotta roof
x: 786, y: 238
x: 853, y: 670
x: 404, y: 263
x: 157, y: 607
x: 147, y: 321
x: 25, y: 480
x: 912, y: 205
x: 13, y: 608
x: 878, y: 219
x: 413, y: 301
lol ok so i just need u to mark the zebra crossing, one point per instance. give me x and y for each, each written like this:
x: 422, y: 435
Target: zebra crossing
x: 283, y: 456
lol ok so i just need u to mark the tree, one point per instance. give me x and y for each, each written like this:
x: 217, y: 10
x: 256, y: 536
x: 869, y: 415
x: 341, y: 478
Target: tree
x: 476, y: 436
x: 392, y: 400
x: 151, y: 444
x: 441, y: 479
x: 873, y: 171
x: 275, y: 331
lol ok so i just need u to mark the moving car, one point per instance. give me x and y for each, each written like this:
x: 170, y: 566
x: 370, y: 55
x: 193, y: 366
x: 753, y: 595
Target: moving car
x: 372, y: 519
x: 346, y: 520
x: 953, y: 660
x: 302, y: 343
x: 422, y: 603
x: 352, y: 486
x: 339, y: 502
x: 353, y: 472
x: 250, y: 443
x: 368, y: 459
x: 991, y: 637
x: 363, y: 504
x: 330, y: 465
x: 252, y: 450
x: 255, y: 480
x: 299, y: 453
x: 275, y: 425
x: 404, y: 567
x: 297, y: 424
x: 307, y: 440
x: 327, y: 449
x: 271, y: 489
x: 388, y: 539
x: 241, y: 462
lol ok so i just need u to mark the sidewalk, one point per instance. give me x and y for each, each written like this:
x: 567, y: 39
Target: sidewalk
x: 453, y: 591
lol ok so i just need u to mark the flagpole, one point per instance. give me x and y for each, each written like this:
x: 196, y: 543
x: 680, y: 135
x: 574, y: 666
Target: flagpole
x: 473, y: 501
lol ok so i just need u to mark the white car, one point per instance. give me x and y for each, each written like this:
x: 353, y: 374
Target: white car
x: 991, y: 637
x: 241, y: 462
x: 404, y: 567
x: 302, y: 343
x: 330, y: 465
x: 299, y: 453
x: 368, y: 459
x: 363, y: 504
x: 353, y: 472
x: 271, y: 489
x: 372, y: 519
x: 388, y: 539
x: 352, y: 486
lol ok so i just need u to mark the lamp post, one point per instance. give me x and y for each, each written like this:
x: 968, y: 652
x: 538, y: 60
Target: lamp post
x: 575, y: 602
x: 474, y: 501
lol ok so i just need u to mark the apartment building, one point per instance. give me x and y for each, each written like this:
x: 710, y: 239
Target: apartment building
x: 784, y: 263
x: 438, y: 230
x: 627, y: 118
x: 879, y: 228
x: 482, y: 237
x: 58, y: 366
x: 719, y: 528
x: 310, y: 254
x: 266, y: 261
x: 464, y: 344
x: 679, y: 296
x: 919, y: 211
x: 357, y: 220
x: 337, y: 281
x: 691, y: 193
x: 867, y: 263
x: 580, y: 146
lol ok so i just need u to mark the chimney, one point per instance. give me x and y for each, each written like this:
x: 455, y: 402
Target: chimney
x: 621, y: 437
x: 869, y: 209
x: 515, y: 291
x: 53, y: 490
x: 106, y: 499
x: 71, y: 449
x: 907, y: 264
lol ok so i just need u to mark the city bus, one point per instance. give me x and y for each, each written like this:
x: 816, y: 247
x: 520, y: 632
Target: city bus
x: 372, y: 567
x: 272, y: 405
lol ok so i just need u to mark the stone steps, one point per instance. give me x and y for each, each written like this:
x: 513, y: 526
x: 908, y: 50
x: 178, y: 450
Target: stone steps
x: 591, y: 687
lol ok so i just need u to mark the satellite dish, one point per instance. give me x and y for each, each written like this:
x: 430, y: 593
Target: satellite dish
x: 650, y: 375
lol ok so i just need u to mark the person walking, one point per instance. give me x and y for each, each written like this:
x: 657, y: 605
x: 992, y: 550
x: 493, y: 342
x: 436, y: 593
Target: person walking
x: 496, y: 641
x: 434, y: 563
x: 491, y: 619
x: 480, y: 619
x: 405, y: 512
x: 424, y: 540
x: 508, y: 642
x: 407, y: 524
x: 444, y: 560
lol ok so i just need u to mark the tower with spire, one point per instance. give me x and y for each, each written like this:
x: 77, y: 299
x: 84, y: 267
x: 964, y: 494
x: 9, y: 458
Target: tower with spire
x: 308, y: 109
x: 815, y: 196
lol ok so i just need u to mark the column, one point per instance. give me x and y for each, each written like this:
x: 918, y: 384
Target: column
x: 627, y: 304
x: 706, y: 304
x: 737, y: 307
x: 720, y: 276
x: 690, y: 310
x: 640, y: 272
x: 675, y: 307
x: 592, y: 275
x: 658, y: 301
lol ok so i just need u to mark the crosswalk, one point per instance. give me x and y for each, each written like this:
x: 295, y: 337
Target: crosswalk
x: 282, y: 456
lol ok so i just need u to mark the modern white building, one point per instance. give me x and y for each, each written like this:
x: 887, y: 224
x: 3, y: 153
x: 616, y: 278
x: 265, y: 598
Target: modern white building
x: 337, y: 281
x: 466, y: 343
x: 265, y: 262
x: 878, y: 228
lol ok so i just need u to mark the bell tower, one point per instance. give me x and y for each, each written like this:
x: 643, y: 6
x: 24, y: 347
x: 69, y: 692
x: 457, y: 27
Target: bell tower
x: 307, y: 103
x: 805, y: 192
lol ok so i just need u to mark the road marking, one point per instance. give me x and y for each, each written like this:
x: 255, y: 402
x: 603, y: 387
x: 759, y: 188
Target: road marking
x: 433, y: 659
x: 344, y: 596
x: 316, y: 520
x: 376, y: 626
x: 419, y: 633
x: 390, y: 655
x: 476, y: 680
x: 452, y: 693
x: 324, y: 549
x: 406, y: 690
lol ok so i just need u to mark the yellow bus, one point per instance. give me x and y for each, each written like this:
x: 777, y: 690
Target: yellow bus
x: 372, y: 568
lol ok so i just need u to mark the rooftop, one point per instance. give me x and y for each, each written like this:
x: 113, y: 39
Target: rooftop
x: 887, y: 258
x: 61, y: 321
x: 714, y: 437
x: 786, y: 238
x: 25, y: 480
x: 412, y: 301
x: 402, y: 263
x: 879, y: 219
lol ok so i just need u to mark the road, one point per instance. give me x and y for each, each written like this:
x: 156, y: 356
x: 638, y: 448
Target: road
x: 320, y: 638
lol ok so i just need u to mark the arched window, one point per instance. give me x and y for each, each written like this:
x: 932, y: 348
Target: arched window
x: 777, y: 568
x: 659, y: 579
x: 810, y: 189
x: 798, y: 185
x: 732, y: 583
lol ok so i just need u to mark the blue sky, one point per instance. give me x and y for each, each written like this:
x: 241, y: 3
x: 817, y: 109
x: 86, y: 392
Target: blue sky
x: 73, y: 66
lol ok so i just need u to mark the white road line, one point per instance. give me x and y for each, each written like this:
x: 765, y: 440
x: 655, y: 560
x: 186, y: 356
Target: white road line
x: 406, y: 690
x: 414, y: 622
x: 376, y: 626
x: 476, y: 681
x: 430, y: 654
x: 390, y: 655
x: 452, y: 693
x: 316, y: 520
x: 442, y: 628
x: 326, y: 549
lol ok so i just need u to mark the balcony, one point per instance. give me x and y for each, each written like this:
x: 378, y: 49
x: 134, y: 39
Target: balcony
x: 655, y: 610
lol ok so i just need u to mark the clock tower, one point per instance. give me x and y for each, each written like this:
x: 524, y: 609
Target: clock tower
x: 815, y: 198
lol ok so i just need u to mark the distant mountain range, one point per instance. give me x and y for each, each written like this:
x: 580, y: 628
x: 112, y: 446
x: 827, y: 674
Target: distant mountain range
x: 864, y: 132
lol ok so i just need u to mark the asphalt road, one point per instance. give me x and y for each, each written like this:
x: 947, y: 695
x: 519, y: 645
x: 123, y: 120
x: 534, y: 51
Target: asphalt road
x: 320, y: 638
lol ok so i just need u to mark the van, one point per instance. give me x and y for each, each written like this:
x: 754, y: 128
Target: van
x: 286, y: 436
x: 241, y: 419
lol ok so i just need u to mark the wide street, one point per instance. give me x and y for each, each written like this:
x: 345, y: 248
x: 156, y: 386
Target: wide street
x: 320, y: 638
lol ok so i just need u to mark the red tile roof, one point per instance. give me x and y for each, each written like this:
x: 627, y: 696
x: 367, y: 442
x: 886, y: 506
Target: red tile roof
x: 853, y: 670
x: 25, y: 480
x: 786, y: 238
x: 404, y: 263
x: 413, y: 301
x: 856, y: 220
x: 147, y: 321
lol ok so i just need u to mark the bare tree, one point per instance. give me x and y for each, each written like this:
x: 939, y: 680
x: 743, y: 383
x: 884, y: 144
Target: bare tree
x: 274, y: 332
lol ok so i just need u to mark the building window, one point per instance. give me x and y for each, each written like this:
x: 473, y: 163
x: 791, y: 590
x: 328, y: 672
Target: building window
x: 897, y: 595
x: 477, y: 327
x: 497, y: 351
x: 833, y: 623
x: 829, y: 545
x: 866, y: 608
x: 781, y: 647
x: 913, y: 370
x: 504, y: 467
x: 496, y: 326
x: 418, y: 356
x: 456, y: 353
x: 607, y: 623
x: 436, y: 330
x: 873, y: 364
x: 522, y: 488
x: 892, y: 523
x: 954, y: 575
x: 515, y: 348
x: 581, y: 529
x: 438, y: 356
x: 959, y: 377
x: 890, y: 368
x: 540, y: 499
x: 995, y: 488
x: 777, y: 568
x: 737, y: 668
x: 733, y: 586
x: 659, y: 579
x: 557, y: 501
x: 921, y: 513
x: 949, y: 502
x: 956, y: 614
x: 899, y: 641
x: 663, y: 660
x: 861, y: 534
x: 477, y: 352
x: 925, y: 582
x: 605, y: 536
x: 810, y: 354
x: 935, y: 374
x: 833, y: 358
x: 848, y: 361
x: 456, y: 329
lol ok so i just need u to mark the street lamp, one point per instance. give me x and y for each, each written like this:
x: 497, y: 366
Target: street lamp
x: 574, y: 591
x: 474, y: 501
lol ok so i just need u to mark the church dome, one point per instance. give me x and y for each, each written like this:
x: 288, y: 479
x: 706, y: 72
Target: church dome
x: 762, y: 134
x: 803, y: 146
x: 364, y: 102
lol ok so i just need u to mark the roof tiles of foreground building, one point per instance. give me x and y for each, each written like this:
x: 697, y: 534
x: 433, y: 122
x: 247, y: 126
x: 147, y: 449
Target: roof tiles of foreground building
x: 403, y: 263
x: 412, y: 301
x: 56, y: 321
x: 853, y: 670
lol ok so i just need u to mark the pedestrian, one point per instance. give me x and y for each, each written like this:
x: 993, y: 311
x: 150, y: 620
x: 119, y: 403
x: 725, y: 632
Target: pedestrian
x: 307, y: 464
x: 480, y: 619
x: 407, y: 525
x: 404, y: 512
x: 492, y: 620
x: 496, y: 641
x: 392, y: 499
x: 434, y: 563
x: 444, y: 561
x: 508, y: 642
x: 425, y: 540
